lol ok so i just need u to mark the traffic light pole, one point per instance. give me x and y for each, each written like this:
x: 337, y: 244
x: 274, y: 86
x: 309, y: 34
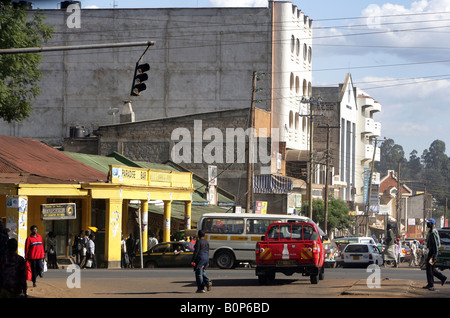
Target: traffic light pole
x: 76, y: 47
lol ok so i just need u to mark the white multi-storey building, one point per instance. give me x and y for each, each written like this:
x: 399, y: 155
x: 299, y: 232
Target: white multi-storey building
x: 350, y: 111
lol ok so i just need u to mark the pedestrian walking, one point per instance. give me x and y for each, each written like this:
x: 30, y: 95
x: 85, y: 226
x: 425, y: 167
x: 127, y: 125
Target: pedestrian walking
x: 397, y: 249
x: 200, y: 261
x: 84, y: 241
x: 123, y: 250
x: 34, y: 253
x: 13, y: 277
x: 131, y: 249
x: 389, y: 254
x: 77, y: 247
x: 433, y: 244
x: 50, y: 248
x: 413, y: 260
x: 90, y: 252
x: 152, y: 240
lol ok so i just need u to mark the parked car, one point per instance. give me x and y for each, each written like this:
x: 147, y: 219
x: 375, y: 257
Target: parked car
x: 332, y: 253
x: 405, y: 252
x: 361, y: 254
x: 443, y: 260
x: 168, y: 254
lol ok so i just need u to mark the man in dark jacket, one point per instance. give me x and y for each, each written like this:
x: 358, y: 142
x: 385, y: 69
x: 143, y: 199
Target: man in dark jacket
x: 200, y: 260
x: 433, y: 245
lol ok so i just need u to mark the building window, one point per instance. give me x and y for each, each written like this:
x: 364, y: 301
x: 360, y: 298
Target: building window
x: 292, y: 81
x: 292, y: 44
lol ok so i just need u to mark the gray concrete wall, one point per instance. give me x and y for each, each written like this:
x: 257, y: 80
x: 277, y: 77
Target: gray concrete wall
x: 203, y: 61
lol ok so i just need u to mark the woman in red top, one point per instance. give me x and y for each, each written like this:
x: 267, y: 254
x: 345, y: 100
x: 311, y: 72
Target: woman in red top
x: 34, y: 253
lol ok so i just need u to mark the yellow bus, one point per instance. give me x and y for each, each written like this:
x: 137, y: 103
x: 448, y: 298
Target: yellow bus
x: 232, y: 237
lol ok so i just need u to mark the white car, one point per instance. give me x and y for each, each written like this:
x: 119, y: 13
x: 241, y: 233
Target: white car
x: 361, y: 254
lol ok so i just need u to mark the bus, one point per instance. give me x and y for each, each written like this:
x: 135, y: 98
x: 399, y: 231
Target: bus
x: 232, y: 237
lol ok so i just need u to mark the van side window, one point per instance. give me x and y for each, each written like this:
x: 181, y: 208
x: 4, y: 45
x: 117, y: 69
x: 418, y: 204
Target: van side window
x: 224, y: 226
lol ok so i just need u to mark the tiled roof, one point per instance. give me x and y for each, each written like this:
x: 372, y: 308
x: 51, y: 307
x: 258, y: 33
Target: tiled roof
x: 36, y: 162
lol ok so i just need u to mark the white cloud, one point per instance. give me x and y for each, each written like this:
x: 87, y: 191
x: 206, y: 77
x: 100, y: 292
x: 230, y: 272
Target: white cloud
x: 414, y: 115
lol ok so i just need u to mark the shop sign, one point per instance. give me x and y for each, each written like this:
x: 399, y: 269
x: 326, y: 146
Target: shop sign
x: 126, y: 175
x: 58, y: 211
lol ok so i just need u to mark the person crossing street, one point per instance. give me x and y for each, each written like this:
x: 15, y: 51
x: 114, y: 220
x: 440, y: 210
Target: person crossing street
x: 433, y: 245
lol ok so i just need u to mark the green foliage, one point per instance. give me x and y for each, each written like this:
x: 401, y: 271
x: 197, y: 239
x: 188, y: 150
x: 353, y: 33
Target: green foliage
x: 432, y: 168
x: 20, y: 73
x: 338, y: 214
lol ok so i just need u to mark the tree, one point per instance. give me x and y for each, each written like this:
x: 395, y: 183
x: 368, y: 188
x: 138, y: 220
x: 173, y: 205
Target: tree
x: 391, y: 155
x: 436, y: 170
x: 413, y: 167
x: 20, y: 73
x: 338, y: 214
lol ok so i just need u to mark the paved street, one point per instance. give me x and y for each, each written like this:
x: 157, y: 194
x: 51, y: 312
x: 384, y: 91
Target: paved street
x: 403, y: 282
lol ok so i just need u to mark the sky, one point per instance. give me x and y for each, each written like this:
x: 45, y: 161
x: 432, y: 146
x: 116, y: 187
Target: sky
x: 396, y: 51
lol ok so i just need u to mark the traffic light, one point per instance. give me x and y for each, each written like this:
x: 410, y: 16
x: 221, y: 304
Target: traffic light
x: 139, y: 77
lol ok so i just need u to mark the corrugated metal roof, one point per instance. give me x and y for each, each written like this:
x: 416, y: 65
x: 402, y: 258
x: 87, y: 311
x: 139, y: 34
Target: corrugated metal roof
x: 42, y: 162
x: 102, y: 163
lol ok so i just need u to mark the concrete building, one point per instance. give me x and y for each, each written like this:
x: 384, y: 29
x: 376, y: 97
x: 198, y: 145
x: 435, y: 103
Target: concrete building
x: 348, y: 111
x: 203, y: 61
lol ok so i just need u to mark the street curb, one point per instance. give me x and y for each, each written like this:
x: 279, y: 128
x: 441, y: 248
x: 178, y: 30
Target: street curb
x: 387, y: 288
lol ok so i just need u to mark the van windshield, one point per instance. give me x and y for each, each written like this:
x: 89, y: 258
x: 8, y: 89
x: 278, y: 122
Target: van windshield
x: 292, y: 231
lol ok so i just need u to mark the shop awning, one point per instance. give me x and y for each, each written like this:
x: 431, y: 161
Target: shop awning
x: 272, y: 184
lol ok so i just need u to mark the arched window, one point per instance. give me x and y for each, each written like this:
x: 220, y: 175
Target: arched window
x: 292, y: 44
x: 292, y: 82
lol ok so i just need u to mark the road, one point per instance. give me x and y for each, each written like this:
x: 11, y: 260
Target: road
x: 403, y: 282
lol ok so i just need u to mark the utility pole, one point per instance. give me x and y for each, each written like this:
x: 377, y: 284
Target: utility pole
x: 311, y: 102
x: 250, y: 146
x: 327, y: 175
x: 424, y: 209
x: 398, y: 202
x: 369, y: 192
x: 445, y: 210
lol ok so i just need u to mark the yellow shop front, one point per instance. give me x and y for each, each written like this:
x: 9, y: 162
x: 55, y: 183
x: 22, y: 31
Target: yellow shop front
x: 131, y: 184
x: 100, y: 205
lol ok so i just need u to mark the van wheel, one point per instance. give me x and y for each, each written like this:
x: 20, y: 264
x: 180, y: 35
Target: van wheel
x: 314, y: 278
x: 224, y: 259
x: 266, y: 278
x: 322, y: 273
